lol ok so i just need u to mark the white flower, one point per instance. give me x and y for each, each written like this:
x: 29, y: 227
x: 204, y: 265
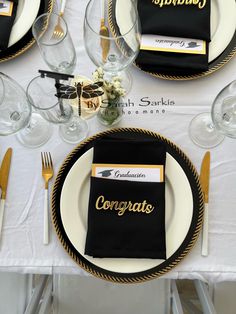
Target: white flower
x: 122, y: 92
x: 95, y: 76
x: 117, y: 79
x: 100, y: 71
x: 112, y: 88
x: 117, y: 85
x: 112, y: 96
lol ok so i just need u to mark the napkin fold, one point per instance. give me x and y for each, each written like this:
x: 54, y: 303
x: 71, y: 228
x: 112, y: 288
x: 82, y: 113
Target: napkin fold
x: 126, y: 218
x: 8, y: 11
x: 177, y: 18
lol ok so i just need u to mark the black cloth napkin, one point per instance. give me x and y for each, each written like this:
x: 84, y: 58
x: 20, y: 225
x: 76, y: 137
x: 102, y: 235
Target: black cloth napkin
x: 6, y: 23
x: 184, y: 21
x: 133, y: 234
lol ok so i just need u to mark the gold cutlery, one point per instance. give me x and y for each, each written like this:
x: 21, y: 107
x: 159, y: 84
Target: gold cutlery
x: 4, y: 175
x: 205, y: 181
x: 58, y: 30
x: 47, y: 173
x: 104, y: 32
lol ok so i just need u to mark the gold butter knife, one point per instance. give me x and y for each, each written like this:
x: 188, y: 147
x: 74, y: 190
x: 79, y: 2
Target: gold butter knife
x: 205, y: 181
x: 4, y: 172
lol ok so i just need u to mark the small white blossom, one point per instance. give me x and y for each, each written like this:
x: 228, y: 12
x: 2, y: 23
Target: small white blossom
x: 117, y: 79
x: 117, y: 85
x: 95, y: 76
x: 112, y: 96
x: 100, y: 71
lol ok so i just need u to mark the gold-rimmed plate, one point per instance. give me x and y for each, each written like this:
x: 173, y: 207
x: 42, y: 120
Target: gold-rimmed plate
x: 222, y: 47
x: 184, y: 210
x: 22, y: 38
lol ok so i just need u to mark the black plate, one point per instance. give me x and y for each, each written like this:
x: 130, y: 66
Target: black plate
x: 216, y: 64
x: 27, y: 40
x: 179, y: 254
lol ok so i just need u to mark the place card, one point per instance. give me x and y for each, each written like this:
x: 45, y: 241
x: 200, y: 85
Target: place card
x: 173, y: 44
x: 6, y: 8
x: 140, y: 173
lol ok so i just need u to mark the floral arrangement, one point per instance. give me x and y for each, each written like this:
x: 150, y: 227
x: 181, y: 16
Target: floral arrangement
x: 110, y: 111
x: 113, y: 88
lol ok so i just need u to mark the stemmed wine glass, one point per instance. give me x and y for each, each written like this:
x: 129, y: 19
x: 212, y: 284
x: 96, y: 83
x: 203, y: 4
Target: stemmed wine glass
x: 57, y: 50
x: 208, y: 130
x: 41, y: 93
x: 16, y: 115
x: 112, y: 48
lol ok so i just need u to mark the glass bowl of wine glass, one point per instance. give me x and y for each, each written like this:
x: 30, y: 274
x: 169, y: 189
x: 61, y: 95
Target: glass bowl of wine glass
x: 112, y: 51
x: 16, y: 115
x: 209, y: 129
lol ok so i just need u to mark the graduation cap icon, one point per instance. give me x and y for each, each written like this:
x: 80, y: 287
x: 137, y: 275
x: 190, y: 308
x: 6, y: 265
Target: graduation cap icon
x: 2, y: 5
x: 192, y: 44
x: 106, y: 173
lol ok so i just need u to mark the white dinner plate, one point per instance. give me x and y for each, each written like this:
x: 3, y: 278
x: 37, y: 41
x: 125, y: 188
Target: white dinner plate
x: 27, y: 11
x: 74, y: 209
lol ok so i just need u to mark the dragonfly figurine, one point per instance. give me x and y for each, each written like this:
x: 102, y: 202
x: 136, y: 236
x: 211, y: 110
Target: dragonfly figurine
x: 79, y: 91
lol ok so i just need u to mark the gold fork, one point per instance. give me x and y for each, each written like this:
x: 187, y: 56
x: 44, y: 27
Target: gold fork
x: 58, y: 31
x: 47, y: 173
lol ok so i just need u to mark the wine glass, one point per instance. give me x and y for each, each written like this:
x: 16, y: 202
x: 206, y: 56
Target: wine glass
x: 57, y: 51
x: 16, y: 115
x: 112, y: 48
x: 41, y: 93
x: 208, y: 130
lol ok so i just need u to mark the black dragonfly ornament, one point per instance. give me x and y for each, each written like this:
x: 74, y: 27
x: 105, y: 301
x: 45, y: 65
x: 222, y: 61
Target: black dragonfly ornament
x: 79, y: 91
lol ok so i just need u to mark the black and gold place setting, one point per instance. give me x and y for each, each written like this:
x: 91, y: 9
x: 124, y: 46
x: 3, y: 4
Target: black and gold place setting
x: 129, y: 213
x: 181, y: 40
x: 127, y: 203
x: 16, y: 20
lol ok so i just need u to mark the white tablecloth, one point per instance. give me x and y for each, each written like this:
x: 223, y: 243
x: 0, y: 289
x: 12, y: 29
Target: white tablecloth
x: 21, y: 247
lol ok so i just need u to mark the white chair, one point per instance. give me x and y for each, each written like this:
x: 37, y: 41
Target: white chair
x: 15, y: 292
x: 89, y: 295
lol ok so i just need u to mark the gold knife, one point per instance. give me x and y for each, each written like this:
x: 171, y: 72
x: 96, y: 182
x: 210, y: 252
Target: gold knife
x: 4, y: 172
x: 205, y: 182
x: 104, y: 32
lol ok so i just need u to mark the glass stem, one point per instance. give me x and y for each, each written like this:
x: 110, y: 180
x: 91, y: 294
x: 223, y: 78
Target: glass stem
x: 60, y: 101
x: 210, y: 127
x: 61, y: 108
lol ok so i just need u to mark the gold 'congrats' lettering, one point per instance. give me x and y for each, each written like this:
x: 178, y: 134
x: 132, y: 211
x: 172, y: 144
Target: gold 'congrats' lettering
x: 199, y: 3
x: 122, y: 206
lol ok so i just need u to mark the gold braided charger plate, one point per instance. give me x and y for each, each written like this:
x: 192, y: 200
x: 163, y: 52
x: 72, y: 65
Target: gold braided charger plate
x: 222, y: 47
x: 22, y: 38
x: 184, y: 210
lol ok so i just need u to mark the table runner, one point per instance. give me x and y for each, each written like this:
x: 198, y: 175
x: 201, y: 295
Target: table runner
x: 162, y: 106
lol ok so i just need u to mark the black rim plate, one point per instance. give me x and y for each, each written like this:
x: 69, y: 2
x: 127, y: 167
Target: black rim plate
x: 190, y: 238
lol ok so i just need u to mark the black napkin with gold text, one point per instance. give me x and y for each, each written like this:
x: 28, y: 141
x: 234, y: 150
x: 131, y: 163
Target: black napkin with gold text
x: 126, y: 216
x: 182, y: 19
x: 8, y: 11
